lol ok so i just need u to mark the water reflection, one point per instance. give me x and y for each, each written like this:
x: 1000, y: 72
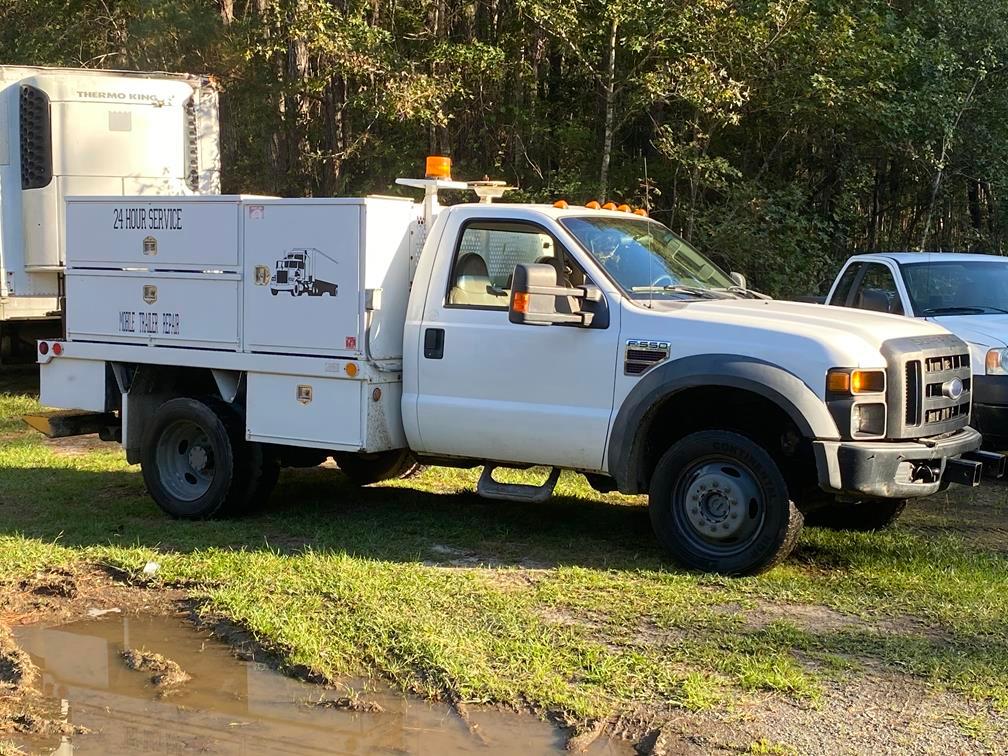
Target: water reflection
x: 235, y: 707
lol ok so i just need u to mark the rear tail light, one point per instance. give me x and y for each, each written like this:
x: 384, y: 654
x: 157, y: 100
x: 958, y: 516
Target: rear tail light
x: 57, y: 349
x: 43, y: 348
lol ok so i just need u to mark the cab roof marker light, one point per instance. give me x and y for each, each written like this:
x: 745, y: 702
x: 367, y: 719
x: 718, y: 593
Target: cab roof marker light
x: 561, y: 204
x: 593, y: 205
x: 641, y: 212
x: 624, y: 208
x: 609, y: 206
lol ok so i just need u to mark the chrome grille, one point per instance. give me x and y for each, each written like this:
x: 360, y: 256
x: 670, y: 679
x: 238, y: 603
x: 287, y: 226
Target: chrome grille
x: 934, y: 394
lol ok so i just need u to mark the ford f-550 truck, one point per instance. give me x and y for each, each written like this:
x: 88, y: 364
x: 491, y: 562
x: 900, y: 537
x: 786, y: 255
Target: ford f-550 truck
x: 501, y: 335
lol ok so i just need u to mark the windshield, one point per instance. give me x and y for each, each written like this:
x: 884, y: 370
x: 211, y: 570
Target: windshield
x: 957, y: 287
x: 646, y: 259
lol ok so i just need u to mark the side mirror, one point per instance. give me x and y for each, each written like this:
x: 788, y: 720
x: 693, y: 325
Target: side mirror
x: 534, y: 292
x: 738, y: 279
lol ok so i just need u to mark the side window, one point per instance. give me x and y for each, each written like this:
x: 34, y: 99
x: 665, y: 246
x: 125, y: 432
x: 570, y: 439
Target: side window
x: 846, y: 281
x: 877, y: 291
x: 485, y: 261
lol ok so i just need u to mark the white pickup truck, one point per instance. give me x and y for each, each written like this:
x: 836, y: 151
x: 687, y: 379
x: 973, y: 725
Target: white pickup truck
x: 965, y: 293
x: 502, y: 335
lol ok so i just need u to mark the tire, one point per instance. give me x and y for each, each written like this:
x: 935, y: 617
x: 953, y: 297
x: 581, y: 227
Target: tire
x: 863, y: 516
x: 258, y: 464
x: 188, y: 459
x: 273, y: 292
x: 743, y: 521
x: 363, y: 469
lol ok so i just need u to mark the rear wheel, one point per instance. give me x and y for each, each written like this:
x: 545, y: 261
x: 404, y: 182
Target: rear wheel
x: 197, y: 465
x: 719, y: 503
x: 863, y: 516
x: 363, y: 469
x: 188, y: 460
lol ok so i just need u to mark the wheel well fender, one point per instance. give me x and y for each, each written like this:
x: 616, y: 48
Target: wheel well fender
x: 144, y: 388
x: 769, y: 385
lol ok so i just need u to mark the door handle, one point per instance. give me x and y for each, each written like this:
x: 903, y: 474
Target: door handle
x: 433, y: 343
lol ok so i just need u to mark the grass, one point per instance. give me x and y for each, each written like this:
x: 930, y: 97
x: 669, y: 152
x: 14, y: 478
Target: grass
x: 565, y: 607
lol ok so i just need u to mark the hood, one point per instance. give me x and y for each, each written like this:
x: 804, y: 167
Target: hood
x: 826, y: 321
x: 984, y: 330
x: 804, y: 339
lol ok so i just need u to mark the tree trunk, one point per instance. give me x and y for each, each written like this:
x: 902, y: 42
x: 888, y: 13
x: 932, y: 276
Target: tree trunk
x: 610, y: 89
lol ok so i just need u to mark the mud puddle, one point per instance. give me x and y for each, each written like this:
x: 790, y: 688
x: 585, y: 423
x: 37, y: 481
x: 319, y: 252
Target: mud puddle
x: 228, y: 706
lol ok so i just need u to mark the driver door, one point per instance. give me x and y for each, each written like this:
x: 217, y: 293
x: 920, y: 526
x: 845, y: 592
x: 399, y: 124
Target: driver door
x: 491, y: 389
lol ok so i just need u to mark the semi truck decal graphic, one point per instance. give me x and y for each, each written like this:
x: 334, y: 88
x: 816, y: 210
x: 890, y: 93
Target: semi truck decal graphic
x: 304, y: 271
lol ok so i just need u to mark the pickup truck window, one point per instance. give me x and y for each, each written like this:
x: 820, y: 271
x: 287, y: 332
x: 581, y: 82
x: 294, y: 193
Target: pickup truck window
x: 877, y: 290
x: 957, y: 288
x: 646, y: 259
x: 843, y: 289
x: 485, y: 261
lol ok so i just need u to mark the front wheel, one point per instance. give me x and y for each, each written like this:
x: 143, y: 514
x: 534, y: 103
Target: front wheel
x: 863, y: 516
x: 719, y: 503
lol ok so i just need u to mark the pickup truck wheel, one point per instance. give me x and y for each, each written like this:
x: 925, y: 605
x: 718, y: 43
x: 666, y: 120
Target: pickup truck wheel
x: 863, y: 516
x: 719, y: 503
x: 363, y: 469
x: 188, y: 459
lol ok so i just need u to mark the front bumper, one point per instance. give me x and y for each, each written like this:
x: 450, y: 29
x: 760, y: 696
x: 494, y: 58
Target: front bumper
x: 877, y: 469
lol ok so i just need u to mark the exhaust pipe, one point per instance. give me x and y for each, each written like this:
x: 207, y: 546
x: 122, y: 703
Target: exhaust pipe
x: 993, y: 463
x: 963, y: 472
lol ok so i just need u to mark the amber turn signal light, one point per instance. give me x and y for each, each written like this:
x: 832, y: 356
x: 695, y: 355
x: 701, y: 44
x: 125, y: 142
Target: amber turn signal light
x: 520, y: 303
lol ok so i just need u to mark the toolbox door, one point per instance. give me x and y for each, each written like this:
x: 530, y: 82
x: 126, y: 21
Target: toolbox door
x: 302, y: 288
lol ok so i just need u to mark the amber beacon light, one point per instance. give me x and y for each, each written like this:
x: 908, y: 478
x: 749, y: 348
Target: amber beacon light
x: 439, y: 167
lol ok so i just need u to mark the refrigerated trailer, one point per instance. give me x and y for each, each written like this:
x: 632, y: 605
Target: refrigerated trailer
x: 501, y: 335
x: 80, y: 132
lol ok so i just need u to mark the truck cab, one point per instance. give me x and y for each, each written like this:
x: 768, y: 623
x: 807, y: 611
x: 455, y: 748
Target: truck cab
x: 498, y: 335
x: 967, y: 294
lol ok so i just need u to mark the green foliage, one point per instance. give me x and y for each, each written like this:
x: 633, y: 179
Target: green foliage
x: 781, y: 135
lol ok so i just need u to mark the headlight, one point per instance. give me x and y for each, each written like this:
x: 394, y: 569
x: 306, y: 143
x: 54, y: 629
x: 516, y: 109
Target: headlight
x: 846, y: 382
x: 997, y: 362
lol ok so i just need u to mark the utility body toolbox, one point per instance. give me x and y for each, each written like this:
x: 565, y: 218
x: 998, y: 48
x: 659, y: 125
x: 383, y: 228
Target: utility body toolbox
x: 245, y: 275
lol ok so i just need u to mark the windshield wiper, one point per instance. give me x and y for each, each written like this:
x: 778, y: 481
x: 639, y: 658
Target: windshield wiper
x: 962, y: 309
x: 743, y: 292
x: 696, y: 291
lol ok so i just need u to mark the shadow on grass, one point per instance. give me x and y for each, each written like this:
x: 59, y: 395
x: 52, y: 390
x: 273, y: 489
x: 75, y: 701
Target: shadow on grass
x: 319, y: 509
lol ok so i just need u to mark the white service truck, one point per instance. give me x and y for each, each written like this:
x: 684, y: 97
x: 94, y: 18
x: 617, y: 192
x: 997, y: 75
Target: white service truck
x: 87, y: 132
x: 502, y: 335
